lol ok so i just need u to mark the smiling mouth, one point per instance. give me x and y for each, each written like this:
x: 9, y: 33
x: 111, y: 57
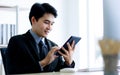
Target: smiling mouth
x: 46, y: 32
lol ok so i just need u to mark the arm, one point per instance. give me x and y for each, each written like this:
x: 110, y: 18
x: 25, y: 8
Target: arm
x: 19, y: 57
x: 61, y: 64
x: 53, y: 62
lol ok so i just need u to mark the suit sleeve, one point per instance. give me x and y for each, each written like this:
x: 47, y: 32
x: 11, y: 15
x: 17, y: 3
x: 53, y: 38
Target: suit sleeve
x: 61, y: 64
x: 69, y: 66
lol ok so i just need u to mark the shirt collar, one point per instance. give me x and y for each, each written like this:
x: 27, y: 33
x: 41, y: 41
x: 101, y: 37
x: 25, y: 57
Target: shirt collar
x: 36, y: 37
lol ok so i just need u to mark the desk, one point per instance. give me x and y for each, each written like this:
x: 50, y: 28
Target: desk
x: 61, y: 73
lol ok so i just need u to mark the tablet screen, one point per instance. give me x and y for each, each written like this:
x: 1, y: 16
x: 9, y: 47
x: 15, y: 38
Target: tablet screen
x: 70, y: 40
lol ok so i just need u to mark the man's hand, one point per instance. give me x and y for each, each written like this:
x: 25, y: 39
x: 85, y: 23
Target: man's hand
x: 50, y: 57
x: 68, y: 53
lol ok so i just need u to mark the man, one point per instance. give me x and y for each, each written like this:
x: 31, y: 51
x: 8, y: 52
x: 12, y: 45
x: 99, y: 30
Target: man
x: 24, y: 55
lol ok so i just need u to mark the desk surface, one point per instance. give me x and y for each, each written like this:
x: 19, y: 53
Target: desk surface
x: 61, y: 73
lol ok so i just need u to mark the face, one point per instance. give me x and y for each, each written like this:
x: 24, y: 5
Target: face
x: 44, y: 24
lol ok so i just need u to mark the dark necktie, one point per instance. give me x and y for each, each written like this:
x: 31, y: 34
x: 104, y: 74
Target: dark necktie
x: 43, y: 50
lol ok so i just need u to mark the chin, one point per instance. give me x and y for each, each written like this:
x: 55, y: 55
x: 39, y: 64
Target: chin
x: 44, y: 36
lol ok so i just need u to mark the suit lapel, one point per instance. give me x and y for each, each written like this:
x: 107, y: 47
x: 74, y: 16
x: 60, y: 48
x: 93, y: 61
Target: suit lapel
x: 32, y: 44
x: 48, y: 43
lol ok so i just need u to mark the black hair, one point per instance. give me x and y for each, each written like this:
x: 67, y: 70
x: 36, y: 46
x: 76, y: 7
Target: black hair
x: 38, y: 10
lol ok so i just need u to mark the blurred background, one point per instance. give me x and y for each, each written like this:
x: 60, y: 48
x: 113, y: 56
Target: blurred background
x: 89, y: 19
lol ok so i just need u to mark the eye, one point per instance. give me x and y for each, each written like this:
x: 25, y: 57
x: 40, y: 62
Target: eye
x: 46, y: 22
x: 52, y: 23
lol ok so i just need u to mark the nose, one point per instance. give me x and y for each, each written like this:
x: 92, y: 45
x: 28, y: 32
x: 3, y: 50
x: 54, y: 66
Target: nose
x: 49, y: 27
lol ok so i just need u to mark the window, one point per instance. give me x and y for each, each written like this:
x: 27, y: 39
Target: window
x: 91, y: 30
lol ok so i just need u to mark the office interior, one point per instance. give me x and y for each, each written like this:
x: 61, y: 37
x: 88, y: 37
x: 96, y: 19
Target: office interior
x: 89, y: 19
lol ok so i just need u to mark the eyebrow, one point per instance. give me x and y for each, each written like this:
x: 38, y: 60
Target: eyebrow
x: 49, y: 21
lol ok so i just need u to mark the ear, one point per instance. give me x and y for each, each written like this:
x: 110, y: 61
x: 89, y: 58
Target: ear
x: 33, y: 20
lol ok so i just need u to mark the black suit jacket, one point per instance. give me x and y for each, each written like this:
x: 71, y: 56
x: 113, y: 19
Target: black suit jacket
x: 22, y: 56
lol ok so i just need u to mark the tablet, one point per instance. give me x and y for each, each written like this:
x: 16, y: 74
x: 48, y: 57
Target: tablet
x: 70, y: 40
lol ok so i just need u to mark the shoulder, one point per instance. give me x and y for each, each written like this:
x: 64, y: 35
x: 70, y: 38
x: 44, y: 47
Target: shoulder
x: 22, y: 37
x: 16, y: 37
x: 50, y: 42
x: 15, y: 40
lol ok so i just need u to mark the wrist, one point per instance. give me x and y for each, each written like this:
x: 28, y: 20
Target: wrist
x: 68, y: 62
x: 43, y: 63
